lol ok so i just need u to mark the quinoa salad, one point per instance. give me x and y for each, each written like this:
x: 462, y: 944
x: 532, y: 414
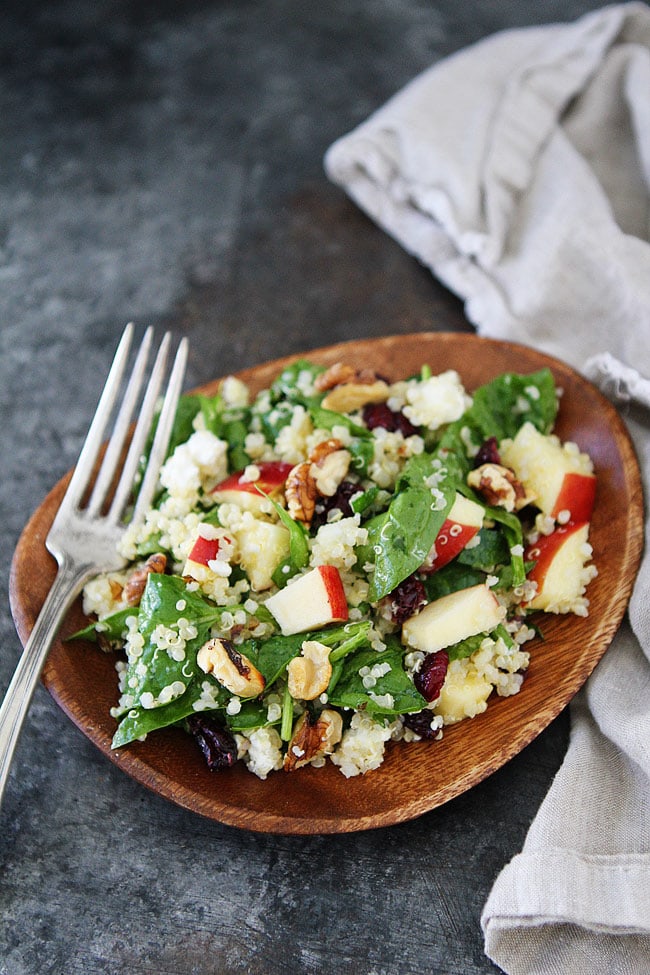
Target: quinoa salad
x: 341, y: 561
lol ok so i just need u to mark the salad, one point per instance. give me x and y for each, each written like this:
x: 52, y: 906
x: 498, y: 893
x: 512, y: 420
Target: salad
x: 340, y: 561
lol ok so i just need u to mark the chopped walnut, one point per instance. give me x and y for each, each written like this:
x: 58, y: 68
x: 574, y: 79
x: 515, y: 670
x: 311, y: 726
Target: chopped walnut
x: 231, y: 668
x: 313, y: 738
x: 309, y: 674
x: 301, y: 492
x: 352, y: 396
x: 116, y: 589
x: 350, y: 388
x: 330, y: 462
x: 320, y: 475
x: 135, y: 584
x: 499, y: 487
x: 334, y: 376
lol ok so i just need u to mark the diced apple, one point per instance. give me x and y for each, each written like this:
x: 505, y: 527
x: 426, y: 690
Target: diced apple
x: 241, y: 488
x: 262, y: 546
x: 561, y: 569
x: 559, y: 476
x: 204, y: 550
x: 209, y: 542
x: 463, y: 695
x: 453, y: 618
x: 312, y: 600
x: 576, y: 498
x: 463, y: 522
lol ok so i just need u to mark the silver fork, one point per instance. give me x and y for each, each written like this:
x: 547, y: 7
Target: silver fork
x: 83, y: 537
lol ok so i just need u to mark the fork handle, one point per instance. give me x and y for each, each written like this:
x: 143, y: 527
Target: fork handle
x: 66, y: 587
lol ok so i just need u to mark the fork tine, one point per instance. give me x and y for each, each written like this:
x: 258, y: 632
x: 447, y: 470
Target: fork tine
x: 121, y: 427
x: 94, y: 437
x: 162, y: 435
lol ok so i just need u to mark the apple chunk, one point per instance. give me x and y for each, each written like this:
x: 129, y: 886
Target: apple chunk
x: 453, y: 618
x: 463, y: 522
x: 312, y: 600
x: 262, y: 545
x: 210, y: 554
x: 559, y: 476
x: 561, y: 569
x: 241, y: 488
x: 204, y: 550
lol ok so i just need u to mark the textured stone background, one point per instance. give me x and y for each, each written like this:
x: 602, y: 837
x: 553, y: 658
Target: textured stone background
x: 163, y: 163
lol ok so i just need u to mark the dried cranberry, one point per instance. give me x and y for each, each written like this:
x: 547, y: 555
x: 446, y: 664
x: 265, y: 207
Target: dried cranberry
x: 431, y: 676
x: 340, y: 499
x: 217, y: 744
x: 420, y: 723
x: 488, y: 453
x: 380, y: 415
x: 406, y: 599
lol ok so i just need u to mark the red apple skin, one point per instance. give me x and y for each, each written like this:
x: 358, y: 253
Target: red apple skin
x: 204, y: 550
x: 577, y: 495
x: 335, y: 592
x: 273, y: 474
x: 448, y: 544
x: 544, y: 550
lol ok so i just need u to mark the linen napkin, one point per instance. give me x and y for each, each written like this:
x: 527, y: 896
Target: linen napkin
x: 518, y: 171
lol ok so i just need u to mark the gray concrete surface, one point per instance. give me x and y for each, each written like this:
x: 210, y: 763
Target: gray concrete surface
x: 163, y: 163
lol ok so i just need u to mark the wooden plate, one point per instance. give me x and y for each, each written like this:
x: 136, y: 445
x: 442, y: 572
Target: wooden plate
x: 414, y: 778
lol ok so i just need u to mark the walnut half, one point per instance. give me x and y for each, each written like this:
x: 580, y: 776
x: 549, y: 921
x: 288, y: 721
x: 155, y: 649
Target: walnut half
x: 313, y: 738
x: 320, y: 475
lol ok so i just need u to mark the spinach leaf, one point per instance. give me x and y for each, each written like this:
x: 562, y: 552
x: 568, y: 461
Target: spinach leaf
x: 112, y: 628
x: 492, y: 550
x: 182, y: 429
x: 298, y: 547
x: 400, y: 538
x: 272, y: 656
x: 514, y: 534
x: 502, y: 406
x: 253, y: 715
x: 465, y: 648
x: 229, y: 423
x: 362, y: 451
x: 327, y: 419
x: 139, y: 721
x: 289, y: 384
x: 362, y: 502
x: 393, y: 693
x: 451, y: 578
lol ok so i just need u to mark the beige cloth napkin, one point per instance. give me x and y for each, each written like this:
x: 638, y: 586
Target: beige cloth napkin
x: 519, y: 171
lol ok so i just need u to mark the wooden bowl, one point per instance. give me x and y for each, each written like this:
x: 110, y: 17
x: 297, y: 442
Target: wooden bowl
x: 413, y: 778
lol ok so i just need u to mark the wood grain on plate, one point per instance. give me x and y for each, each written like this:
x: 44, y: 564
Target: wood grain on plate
x: 414, y: 778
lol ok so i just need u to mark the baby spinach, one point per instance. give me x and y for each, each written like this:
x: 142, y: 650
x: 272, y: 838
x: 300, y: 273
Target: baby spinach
x: 138, y: 721
x: 502, y: 406
x: 328, y: 419
x: 451, y: 578
x: 492, y: 550
x: 298, y: 547
x: 112, y: 628
x: 400, y: 538
x: 253, y: 714
x: 272, y: 656
x: 514, y: 535
x: 350, y: 691
x: 289, y: 385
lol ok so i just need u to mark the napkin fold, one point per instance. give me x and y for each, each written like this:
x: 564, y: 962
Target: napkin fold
x: 518, y: 171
